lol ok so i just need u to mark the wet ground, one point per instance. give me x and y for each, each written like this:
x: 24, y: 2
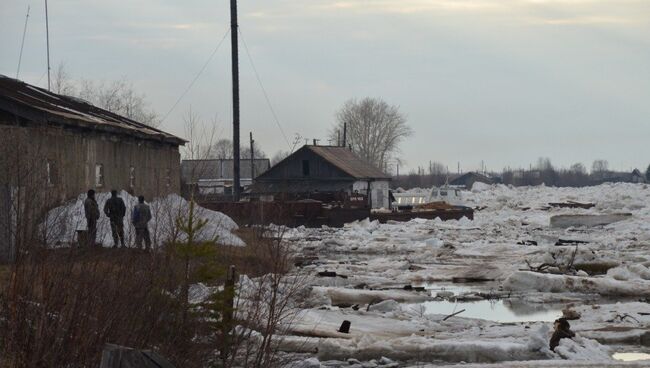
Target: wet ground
x: 412, y: 265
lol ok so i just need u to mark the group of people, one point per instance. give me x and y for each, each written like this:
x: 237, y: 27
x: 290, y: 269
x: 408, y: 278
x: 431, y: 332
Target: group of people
x: 115, y: 210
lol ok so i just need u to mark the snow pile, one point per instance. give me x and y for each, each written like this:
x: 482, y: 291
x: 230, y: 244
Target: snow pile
x: 307, y: 363
x: 363, y: 226
x: 526, y: 281
x: 407, y: 348
x: 61, y: 223
x: 630, y: 272
x: 341, y: 296
x: 581, y: 258
x: 480, y: 187
x: 580, y: 348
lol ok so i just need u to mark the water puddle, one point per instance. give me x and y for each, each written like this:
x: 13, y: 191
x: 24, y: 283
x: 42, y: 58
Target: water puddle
x: 503, y: 311
x: 497, y: 310
x: 631, y: 357
x: 458, y: 288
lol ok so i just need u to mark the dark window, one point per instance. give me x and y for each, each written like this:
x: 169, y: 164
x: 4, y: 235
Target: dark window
x: 305, y: 167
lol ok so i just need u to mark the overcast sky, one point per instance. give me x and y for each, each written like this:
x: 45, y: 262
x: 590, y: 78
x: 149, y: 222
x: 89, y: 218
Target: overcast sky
x: 499, y: 81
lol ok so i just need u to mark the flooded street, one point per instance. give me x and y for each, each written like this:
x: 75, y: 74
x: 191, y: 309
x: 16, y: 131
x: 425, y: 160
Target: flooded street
x: 410, y: 290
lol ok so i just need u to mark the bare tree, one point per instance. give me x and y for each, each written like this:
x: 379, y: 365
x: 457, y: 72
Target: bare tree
x: 222, y: 149
x: 62, y: 82
x: 118, y: 96
x: 579, y: 168
x: 199, y: 136
x: 374, y: 129
x: 279, y: 156
x: 599, y: 168
x: 121, y: 98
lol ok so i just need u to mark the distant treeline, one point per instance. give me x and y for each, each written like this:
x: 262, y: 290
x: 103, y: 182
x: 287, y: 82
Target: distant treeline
x: 541, y: 173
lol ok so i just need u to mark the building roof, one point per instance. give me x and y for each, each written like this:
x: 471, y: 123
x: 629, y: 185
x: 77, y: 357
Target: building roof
x: 42, y: 106
x: 348, y: 161
x: 461, y: 180
x: 211, y: 169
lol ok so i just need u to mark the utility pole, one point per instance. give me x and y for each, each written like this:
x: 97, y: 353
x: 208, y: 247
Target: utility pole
x: 234, y: 29
x: 47, y: 37
x: 252, y: 159
x: 345, y: 134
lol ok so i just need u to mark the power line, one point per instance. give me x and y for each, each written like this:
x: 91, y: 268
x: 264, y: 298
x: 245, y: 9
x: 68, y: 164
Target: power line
x: 205, y: 65
x: 268, y: 101
x: 22, y: 44
x: 47, y: 36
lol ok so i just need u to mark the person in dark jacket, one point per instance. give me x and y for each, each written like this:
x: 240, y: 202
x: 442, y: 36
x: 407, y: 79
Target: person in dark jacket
x: 140, y: 219
x: 115, y: 211
x: 91, y: 210
x: 562, y: 330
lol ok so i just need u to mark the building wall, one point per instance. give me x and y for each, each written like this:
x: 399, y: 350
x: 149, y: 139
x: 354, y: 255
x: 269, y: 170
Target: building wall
x: 73, y: 157
x: 6, y: 224
x: 378, y: 192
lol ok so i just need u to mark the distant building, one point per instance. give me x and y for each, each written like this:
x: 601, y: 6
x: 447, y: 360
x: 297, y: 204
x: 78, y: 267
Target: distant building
x: 215, y: 176
x: 54, y: 147
x: 637, y: 177
x: 325, y: 169
x: 467, y: 180
x: 634, y: 177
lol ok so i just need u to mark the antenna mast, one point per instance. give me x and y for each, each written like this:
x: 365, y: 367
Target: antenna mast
x: 47, y: 36
x: 234, y: 33
x: 22, y: 44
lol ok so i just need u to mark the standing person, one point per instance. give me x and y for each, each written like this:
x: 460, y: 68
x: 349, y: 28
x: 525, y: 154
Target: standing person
x: 140, y: 218
x: 91, y: 210
x: 115, y: 210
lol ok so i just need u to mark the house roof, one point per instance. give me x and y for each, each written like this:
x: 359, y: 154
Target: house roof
x: 42, y: 106
x: 348, y: 161
x: 194, y: 170
x: 473, y: 175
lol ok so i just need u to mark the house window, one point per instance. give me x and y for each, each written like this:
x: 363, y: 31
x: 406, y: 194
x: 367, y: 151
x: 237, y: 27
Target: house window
x: 168, y: 178
x: 131, y: 177
x: 305, y: 167
x: 50, y: 172
x: 99, y: 175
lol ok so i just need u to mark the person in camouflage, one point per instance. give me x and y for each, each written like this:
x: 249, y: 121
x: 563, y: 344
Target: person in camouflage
x: 91, y: 210
x: 140, y: 218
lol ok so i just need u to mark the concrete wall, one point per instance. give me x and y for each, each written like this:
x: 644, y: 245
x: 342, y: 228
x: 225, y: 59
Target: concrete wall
x: 73, y: 157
